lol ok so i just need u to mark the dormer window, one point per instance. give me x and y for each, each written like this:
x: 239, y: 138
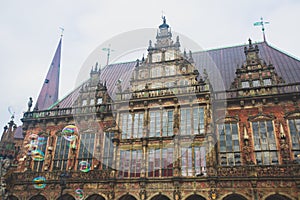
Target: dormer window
x: 99, y: 101
x: 170, y: 70
x: 92, y: 102
x: 267, y: 82
x: 156, y: 57
x: 245, y: 84
x: 256, y: 83
x: 84, y: 102
x: 156, y: 72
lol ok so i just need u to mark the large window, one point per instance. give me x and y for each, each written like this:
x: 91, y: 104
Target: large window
x: 170, y: 70
x: 264, y: 143
x: 61, y: 153
x: 193, y: 161
x: 41, y: 147
x: 161, y: 123
x: 132, y: 125
x: 294, y: 125
x: 191, y: 121
x: 156, y: 72
x: 130, y: 163
x: 108, y: 150
x: 86, y: 149
x: 160, y: 162
x: 229, y: 145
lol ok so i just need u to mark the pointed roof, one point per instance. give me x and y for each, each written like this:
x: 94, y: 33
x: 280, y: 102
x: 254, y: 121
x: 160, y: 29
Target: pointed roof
x: 49, y: 92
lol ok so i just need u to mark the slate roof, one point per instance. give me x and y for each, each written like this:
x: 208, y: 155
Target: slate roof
x: 18, y: 133
x: 226, y: 61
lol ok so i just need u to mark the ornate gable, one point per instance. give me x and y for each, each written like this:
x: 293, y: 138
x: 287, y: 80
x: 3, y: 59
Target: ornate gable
x: 255, y: 77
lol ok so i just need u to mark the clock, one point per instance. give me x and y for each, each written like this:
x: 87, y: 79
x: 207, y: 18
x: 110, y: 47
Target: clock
x: 183, y: 69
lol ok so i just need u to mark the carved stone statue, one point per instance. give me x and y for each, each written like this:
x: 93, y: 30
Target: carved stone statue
x: 29, y: 104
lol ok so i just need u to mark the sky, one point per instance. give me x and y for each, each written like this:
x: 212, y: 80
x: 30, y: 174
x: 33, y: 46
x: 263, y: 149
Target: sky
x: 29, y: 32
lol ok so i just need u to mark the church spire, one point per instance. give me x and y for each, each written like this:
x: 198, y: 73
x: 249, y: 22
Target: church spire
x: 49, y: 92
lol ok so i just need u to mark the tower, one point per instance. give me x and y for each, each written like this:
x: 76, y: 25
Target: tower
x: 49, y: 92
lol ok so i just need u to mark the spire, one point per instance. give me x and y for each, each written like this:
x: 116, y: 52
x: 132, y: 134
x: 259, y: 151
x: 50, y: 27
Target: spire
x: 49, y: 92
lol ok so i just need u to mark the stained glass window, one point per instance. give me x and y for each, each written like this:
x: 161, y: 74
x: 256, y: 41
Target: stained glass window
x: 229, y: 145
x: 264, y: 143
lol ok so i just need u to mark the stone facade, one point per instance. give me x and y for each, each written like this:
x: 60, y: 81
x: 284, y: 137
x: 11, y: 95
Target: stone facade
x: 169, y: 135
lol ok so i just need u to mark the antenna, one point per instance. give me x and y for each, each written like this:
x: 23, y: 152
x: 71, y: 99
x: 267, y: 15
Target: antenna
x: 262, y: 24
x: 108, y: 53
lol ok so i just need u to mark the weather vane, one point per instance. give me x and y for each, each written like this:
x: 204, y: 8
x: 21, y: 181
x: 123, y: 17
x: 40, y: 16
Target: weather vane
x: 62, y: 31
x: 262, y: 24
x: 108, y: 53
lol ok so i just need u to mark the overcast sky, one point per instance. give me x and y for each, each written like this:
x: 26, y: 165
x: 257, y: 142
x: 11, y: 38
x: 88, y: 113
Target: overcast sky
x: 30, y: 33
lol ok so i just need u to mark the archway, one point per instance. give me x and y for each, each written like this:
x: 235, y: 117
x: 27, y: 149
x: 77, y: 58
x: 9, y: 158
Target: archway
x: 128, y: 197
x: 66, y: 197
x: 38, y: 197
x: 234, y: 197
x: 95, y: 197
x: 160, y: 197
x: 12, y: 197
x: 277, y: 197
x: 195, y: 197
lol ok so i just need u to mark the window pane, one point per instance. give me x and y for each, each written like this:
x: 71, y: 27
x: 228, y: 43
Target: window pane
x: 265, y: 143
x: 229, y: 144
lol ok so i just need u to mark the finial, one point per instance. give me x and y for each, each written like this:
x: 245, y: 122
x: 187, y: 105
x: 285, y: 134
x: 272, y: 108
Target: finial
x: 96, y: 66
x: 164, y: 19
x: 143, y: 58
x: 250, y: 42
x: 150, y: 43
x: 62, y: 31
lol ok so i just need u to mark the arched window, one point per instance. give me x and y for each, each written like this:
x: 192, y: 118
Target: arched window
x: 160, y: 197
x: 294, y: 126
x: 95, y: 197
x: 66, y: 197
x: 127, y: 197
x: 234, y: 197
x: 277, y: 197
x: 195, y: 197
x: 264, y: 143
x: 37, y: 197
